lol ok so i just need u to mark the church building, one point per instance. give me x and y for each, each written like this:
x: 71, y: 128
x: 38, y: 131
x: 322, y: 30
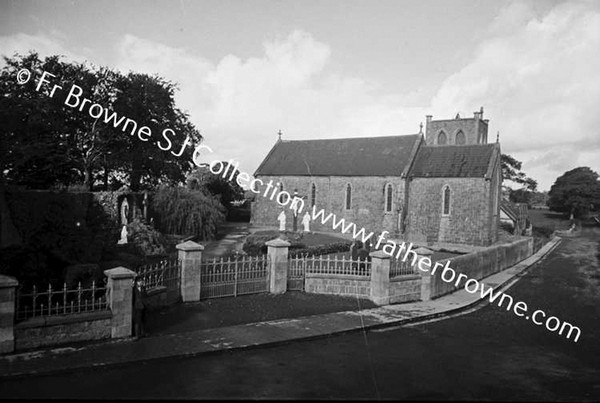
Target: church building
x: 439, y: 187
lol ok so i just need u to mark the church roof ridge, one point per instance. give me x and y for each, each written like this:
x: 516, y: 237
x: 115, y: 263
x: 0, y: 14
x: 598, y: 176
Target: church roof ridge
x: 351, y: 156
x: 352, y: 138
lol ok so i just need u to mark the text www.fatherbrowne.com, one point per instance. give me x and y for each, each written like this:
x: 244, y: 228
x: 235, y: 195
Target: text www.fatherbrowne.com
x: 449, y: 275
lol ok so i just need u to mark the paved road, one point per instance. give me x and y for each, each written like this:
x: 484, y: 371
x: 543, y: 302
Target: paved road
x: 487, y: 354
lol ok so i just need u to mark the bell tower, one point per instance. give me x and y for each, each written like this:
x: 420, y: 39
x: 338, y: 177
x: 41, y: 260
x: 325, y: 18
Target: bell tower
x: 457, y: 131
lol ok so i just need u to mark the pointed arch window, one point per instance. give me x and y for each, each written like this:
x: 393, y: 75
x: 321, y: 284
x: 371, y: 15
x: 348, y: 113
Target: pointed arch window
x: 388, y: 197
x: 313, y: 195
x: 442, y: 138
x: 460, y: 138
x: 348, y: 197
x: 446, y: 195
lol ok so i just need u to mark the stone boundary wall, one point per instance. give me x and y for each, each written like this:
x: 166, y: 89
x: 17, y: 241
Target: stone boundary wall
x: 405, y: 289
x: 481, y: 264
x: 55, y: 330
x: 337, y: 285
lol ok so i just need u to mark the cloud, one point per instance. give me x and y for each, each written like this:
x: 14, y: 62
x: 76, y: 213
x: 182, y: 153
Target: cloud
x: 240, y: 104
x: 538, y: 79
x: 44, y: 45
x: 535, y: 74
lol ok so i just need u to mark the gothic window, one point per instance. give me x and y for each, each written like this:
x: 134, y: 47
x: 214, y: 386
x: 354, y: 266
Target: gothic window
x: 388, y: 197
x: 446, y: 200
x: 460, y: 138
x: 313, y: 195
x: 442, y: 139
x: 348, y: 197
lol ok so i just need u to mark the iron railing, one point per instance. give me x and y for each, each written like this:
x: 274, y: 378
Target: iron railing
x: 61, y: 301
x: 332, y: 265
x: 166, y: 273
x: 400, y: 268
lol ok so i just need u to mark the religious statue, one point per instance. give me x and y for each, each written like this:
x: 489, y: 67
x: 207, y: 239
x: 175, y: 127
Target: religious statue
x: 124, y: 211
x: 281, y: 219
x: 145, y: 203
x: 306, y: 222
x: 123, y: 239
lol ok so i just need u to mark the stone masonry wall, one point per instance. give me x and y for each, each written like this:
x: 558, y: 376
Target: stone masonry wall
x: 54, y: 330
x: 468, y: 222
x: 405, y: 289
x: 368, y: 198
x: 338, y: 285
x: 481, y: 264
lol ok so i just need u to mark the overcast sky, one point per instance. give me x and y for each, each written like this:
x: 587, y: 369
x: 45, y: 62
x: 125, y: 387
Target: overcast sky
x: 327, y: 69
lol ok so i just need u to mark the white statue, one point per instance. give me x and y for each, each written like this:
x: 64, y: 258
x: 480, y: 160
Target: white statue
x: 306, y: 222
x: 123, y: 239
x: 124, y: 211
x: 281, y: 219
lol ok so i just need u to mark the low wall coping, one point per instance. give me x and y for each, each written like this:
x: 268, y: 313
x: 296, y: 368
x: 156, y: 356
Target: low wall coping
x: 407, y: 277
x: 338, y: 276
x: 156, y: 290
x: 64, y: 319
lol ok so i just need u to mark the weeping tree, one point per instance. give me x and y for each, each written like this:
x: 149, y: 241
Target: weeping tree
x: 180, y: 210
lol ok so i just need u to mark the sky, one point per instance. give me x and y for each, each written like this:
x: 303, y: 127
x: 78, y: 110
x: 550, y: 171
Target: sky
x: 333, y: 69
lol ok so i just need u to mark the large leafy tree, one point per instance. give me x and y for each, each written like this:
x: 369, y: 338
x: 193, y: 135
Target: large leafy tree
x: 44, y: 143
x: 576, y: 192
x: 149, y: 101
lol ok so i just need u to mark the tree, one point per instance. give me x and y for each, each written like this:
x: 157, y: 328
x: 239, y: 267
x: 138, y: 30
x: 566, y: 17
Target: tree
x: 575, y: 192
x: 149, y: 101
x: 227, y: 190
x: 45, y: 143
x: 521, y: 196
x: 511, y: 170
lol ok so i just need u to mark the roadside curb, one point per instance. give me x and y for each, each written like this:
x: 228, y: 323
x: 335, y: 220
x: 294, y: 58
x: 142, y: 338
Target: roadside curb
x: 514, y: 278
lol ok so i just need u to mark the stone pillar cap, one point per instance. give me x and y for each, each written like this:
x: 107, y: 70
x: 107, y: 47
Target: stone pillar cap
x: 379, y: 254
x: 190, y: 246
x: 423, y: 251
x: 7, y: 281
x: 119, y: 272
x: 277, y: 243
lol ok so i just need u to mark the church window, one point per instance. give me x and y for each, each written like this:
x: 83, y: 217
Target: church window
x: 348, y: 197
x: 446, y: 201
x: 442, y: 139
x: 388, y: 197
x: 460, y: 138
x: 313, y: 194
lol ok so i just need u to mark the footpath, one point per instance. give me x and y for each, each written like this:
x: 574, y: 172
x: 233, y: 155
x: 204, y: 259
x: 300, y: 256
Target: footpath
x: 261, y: 334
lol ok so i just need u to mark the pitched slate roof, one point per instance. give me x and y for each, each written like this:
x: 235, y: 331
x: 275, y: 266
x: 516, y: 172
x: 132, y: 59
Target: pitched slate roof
x: 453, y: 161
x: 364, y: 156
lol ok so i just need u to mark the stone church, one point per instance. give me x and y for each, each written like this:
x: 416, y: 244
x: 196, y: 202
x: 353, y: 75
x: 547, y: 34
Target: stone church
x: 439, y: 187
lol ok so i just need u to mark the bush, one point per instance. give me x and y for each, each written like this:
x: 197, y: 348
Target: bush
x: 256, y: 245
x: 146, y: 240
x: 336, y: 247
x: 183, y: 211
